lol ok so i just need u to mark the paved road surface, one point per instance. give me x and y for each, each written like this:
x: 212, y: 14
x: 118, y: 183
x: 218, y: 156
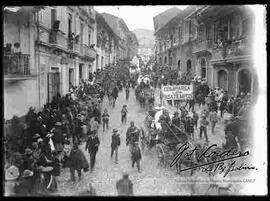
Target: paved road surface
x: 153, y: 180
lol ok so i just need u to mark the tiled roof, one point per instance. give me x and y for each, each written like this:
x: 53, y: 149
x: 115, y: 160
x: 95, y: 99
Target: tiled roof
x: 163, y: 18
x: 112, y: 21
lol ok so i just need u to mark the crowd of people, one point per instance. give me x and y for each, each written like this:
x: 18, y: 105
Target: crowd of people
x: 217, y: 106
x: 51, y: 137
x: 39, y: 145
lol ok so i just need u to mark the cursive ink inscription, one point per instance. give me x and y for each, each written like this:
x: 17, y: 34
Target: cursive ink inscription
x: 186, y: 153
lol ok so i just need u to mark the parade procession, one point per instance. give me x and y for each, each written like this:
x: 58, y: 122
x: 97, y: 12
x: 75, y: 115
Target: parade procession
x: 92, y: 108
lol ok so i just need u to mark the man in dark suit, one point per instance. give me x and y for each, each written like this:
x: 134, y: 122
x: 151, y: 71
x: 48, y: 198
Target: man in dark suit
x: 92, y: 145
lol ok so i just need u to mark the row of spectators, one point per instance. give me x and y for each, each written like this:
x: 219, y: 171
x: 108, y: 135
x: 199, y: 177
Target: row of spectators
x: 37, y: 145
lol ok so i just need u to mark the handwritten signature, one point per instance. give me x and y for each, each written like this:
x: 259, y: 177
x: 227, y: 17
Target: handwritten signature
x: 186, y: 153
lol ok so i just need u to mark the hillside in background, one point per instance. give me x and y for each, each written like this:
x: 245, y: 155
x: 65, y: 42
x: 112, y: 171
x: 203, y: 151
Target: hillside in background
x: 145, y: 37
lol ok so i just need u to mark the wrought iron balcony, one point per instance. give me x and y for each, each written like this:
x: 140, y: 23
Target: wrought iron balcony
x: 87, y: 52
x: 16, y: 64
x: 231, y: 50
x: 205, y: 45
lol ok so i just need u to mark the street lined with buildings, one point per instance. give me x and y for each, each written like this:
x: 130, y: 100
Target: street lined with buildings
x: 96, y: 107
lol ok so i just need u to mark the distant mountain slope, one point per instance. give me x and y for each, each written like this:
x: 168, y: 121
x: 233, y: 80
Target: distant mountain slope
x: 145, y: 37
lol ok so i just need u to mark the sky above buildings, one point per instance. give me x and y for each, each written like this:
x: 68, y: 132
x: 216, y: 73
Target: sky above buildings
x: 136, y: 17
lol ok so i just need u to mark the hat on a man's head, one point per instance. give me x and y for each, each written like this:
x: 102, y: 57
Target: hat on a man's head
x: 45, y: 169
x: 36, y: 136
x: 28, y: 151
x: 49, y: 135
x: 27, y: 173
x: 58, y: 124
x: 12, y: 173
x: 115, y: 130
x: 39, y: 140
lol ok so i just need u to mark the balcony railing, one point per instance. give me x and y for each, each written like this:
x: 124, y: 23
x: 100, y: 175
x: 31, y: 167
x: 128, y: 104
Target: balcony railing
x: 237, y: 48
x: 16, y: 64
x: 233, y: 49
x: 88, y: 52
x: 203, y: 45
x: 58, y: 40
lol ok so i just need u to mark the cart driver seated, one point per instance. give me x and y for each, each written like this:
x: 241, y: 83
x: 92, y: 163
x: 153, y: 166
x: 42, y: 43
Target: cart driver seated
x: 164, y: 119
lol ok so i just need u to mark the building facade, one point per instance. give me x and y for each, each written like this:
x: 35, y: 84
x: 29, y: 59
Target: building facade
x: 107, y: 43
x: 127, y: 45
x: 223, y: 47
x: 174, y: 41
x: 213, y: 42
x: 65, y: 48
x: 54, y: 50
x: 19, y: 61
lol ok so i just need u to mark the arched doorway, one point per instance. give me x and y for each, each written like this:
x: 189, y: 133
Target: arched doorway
x: 203, y: 68
x: 178, y: 65
x: 165, y: 60
x: 244, y: 81
x: 222, y: 79
x: 188, y: 66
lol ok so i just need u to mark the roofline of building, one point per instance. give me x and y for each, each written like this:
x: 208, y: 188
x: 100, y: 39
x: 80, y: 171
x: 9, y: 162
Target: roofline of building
x: 174, y: 19
x: 155, y: 31
x: 202, y: 8
x: 106, y: 24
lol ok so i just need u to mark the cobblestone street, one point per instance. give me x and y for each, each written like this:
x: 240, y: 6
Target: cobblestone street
x: 194, y: 87
x: 153, y: 180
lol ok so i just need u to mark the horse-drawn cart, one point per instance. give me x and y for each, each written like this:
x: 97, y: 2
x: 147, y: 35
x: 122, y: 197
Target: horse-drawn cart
x: 165, y: 140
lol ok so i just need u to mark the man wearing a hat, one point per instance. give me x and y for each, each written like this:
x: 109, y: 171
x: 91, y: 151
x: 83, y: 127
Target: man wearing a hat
x: 115, y: 144
x: 11, y: 175
x: 132, y: 135
x: 136, y: 155
x: 26, y: 184
x: 92, y: 145
x: 203, y: 127
x: 176, y: 119
x: 190, y: 126
x: 58, y: 137
x: 124, y: 112
x: 28, y: 161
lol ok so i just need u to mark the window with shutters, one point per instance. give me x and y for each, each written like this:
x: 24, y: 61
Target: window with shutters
x: 81, y: 32
x: 200, y: 33
x: 245, y: 27
x: 53, y: 84
x: 215, y: 31
x: 89, y: 36
x: 69, y: 24
x: 180, y: 35
x: 53, y: 16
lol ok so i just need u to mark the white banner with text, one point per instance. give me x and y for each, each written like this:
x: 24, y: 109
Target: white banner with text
x: 177, y: 92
